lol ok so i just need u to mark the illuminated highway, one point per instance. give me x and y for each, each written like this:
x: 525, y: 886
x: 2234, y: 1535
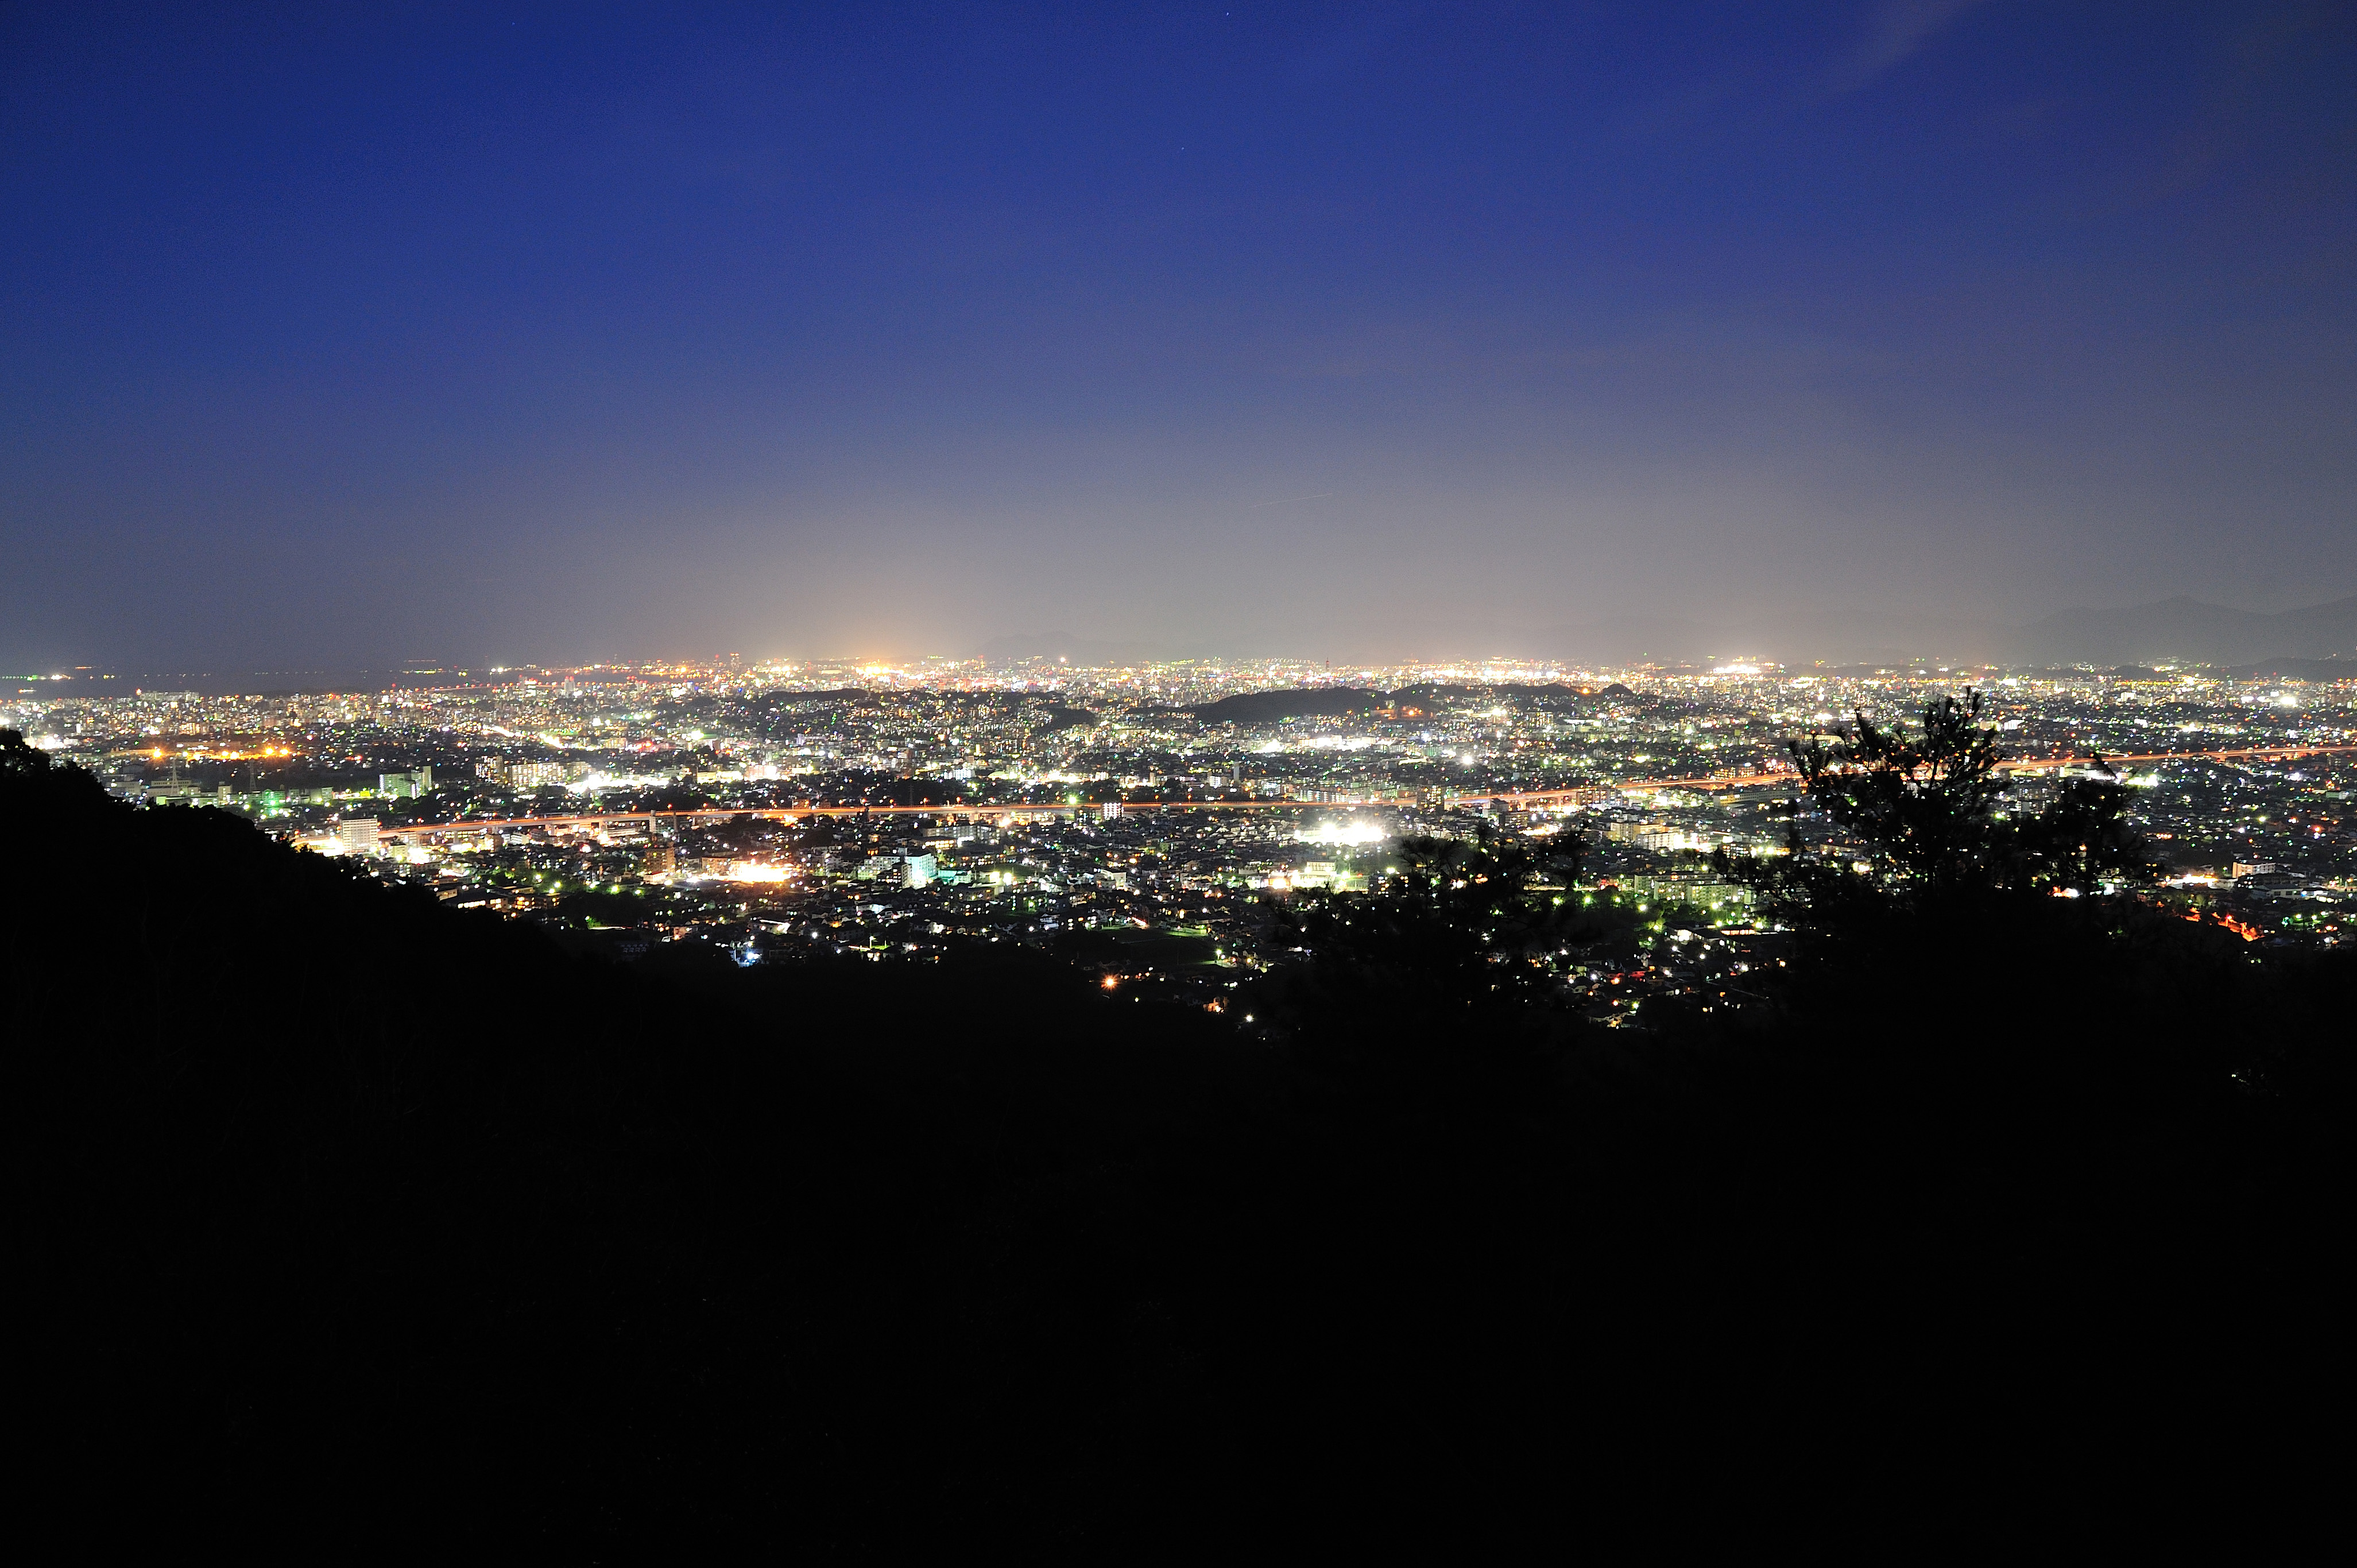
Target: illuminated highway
x: 1782, y: 775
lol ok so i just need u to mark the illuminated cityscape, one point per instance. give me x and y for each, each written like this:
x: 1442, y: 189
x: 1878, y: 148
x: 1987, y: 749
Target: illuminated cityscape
x: 944, y: 779
x: 1148, y: 821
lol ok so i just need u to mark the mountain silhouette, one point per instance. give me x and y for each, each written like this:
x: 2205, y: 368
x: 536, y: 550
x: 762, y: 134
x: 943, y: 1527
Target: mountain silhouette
x: 2186, y: 628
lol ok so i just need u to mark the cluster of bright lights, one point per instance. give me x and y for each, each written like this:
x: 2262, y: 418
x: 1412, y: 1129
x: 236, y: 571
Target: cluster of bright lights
x: 1350, y: 833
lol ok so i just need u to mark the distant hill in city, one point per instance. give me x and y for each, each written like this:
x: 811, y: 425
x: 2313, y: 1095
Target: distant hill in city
x: 2188, y: 629
x: 1324, y: 702
x: 1296, y: 703
x: 1525, y: 695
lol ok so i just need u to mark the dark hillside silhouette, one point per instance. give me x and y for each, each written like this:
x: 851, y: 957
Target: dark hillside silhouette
x: 351, y: 1217
x: 2186, y: 627
x: 1269, y: 707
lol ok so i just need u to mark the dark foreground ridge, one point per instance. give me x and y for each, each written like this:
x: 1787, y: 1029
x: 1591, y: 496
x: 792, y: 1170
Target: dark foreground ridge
x: 350, y: 1217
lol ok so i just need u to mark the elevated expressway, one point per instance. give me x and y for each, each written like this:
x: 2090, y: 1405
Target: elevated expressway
x: 1785, y: 775
x: 1520, y: 798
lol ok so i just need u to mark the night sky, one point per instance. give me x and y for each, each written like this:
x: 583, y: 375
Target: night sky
x: 365, y: 333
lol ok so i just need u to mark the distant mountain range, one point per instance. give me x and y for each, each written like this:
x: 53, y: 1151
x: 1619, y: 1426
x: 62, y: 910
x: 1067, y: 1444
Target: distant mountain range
x: 2295, y: 670
x: 2182, y: 630
x: 2185, y: 628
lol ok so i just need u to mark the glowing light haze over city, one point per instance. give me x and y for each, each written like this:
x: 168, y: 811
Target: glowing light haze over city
x: 344, y: 335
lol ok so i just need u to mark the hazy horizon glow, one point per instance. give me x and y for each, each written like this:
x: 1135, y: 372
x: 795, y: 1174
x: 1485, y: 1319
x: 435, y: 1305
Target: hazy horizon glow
x: 1356, y: 332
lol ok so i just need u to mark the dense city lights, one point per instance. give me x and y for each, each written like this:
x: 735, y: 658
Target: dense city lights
x: 877, y: 810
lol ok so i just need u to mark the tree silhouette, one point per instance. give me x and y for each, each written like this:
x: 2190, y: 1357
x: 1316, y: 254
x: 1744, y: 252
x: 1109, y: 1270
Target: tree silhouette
x: 2083, y: 842
x: 1923, y: 802
x: 1465, y: 924
x: 19, y: 759
x: 1926, y: 804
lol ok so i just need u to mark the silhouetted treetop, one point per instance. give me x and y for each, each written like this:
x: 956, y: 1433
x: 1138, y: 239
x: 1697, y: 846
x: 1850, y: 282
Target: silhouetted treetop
x: 1926, y: 803
x: 17, y: 758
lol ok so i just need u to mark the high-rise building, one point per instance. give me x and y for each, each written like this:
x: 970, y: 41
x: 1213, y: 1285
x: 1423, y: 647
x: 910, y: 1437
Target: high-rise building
x: 356, y: 836
x: 1113, y: 810
x: 406, y: 786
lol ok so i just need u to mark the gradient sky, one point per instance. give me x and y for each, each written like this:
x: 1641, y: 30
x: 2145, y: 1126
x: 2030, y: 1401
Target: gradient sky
x: 353, y: 333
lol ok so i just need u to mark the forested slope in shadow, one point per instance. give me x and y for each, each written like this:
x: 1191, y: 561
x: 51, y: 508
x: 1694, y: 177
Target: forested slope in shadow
x: 349, y: 1213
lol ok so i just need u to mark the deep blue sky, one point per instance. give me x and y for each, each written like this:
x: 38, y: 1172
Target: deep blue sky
x: 364, y: 332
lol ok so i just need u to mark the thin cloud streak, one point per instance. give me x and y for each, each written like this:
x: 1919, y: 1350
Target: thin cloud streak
x: 1898, y: 31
